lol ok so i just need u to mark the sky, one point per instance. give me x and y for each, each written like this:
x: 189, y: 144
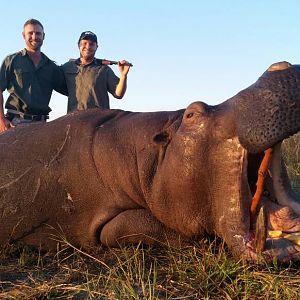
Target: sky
x: 181, y: 51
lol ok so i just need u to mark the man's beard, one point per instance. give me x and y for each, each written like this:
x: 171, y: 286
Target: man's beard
x: 89, y: 57
x: 36, y: 46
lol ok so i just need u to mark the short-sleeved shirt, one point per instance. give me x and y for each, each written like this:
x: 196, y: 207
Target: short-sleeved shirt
x: 30, y: 87
x: 88, y: 85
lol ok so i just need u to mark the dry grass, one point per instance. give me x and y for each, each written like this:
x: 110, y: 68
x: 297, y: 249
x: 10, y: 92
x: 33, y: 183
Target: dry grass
x: 203, y: 271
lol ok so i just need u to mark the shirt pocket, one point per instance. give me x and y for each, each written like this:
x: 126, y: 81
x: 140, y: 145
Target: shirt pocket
x: 23, y: 77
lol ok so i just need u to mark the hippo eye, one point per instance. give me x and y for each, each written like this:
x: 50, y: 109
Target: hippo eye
x: 189, y: 115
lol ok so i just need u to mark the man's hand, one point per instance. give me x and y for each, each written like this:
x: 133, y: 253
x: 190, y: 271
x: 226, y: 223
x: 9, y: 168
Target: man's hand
x: 5, y: 124
x: 124, y: 67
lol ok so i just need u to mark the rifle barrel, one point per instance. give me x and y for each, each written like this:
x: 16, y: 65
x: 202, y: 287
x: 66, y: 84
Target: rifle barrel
x: 113, y: 62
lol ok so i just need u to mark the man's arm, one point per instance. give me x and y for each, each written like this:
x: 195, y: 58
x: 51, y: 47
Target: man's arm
x: 122, y: 85
x: 60, y: 84
x: 4, y: 80
x: 4, y: 123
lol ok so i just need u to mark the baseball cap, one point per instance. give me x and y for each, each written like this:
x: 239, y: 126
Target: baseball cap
x: 88, y: 35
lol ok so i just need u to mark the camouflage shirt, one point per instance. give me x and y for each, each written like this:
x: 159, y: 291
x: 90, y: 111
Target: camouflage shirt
x: 30, y: 87
x: 88, y: 85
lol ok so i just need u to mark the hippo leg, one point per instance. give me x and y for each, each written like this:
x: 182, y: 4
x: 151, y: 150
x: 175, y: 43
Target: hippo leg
x: 138, y: 225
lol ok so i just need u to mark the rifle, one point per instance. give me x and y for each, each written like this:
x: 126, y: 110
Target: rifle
x: 112, y: 62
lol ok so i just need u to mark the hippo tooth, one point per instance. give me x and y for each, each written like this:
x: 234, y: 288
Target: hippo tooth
x: 261, y: 231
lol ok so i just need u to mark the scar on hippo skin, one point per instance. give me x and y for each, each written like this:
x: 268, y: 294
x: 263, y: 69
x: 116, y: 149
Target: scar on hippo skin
x: 6, y: 185
x: 60, y: 148
x: 36, y: 189
x: 68, y: 204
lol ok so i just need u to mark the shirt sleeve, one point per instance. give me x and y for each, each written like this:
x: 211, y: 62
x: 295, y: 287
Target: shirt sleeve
x: 112, y: 81
x: 59, y: 81
x: 5, y: 73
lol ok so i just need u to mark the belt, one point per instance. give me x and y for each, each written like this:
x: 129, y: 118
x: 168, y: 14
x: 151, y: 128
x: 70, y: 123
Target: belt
x: 24, y: 116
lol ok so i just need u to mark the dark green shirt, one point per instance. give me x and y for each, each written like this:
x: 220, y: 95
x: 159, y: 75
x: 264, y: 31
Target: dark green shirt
x: 88, y: 85
x: 30, y: 87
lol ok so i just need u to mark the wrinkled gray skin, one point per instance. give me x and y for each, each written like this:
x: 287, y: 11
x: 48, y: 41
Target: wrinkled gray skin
x: 116, y: 177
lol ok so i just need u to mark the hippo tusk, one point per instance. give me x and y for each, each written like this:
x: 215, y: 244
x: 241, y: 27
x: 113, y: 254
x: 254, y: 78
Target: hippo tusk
x: 260, y: 185
x: 261, y: 231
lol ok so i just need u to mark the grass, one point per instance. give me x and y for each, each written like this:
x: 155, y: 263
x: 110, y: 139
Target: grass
x: 205, y: 270
x: 202, y: 271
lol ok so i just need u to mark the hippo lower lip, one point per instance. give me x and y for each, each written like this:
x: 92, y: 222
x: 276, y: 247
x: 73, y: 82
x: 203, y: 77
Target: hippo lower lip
x: 282, y: 211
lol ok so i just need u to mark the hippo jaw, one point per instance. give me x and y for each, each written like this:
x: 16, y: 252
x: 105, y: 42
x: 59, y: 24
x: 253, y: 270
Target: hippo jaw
x: 282, y: 210
x: 265, y: 114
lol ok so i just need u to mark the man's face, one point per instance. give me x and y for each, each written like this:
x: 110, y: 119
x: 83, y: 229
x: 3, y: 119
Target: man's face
x: 87, y: 49
x: 34, y: 36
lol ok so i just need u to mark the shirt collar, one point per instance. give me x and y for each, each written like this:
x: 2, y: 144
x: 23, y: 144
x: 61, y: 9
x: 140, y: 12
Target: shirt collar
x: 44, y: 58
x: 23, y: 52
x: 78, y: 62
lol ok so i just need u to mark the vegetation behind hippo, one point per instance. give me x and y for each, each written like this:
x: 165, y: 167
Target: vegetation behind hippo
x: 291, y: 154
x: 205, y: 270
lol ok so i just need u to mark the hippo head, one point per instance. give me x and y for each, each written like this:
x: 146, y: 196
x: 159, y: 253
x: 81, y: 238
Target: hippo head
x: 266, y: 113
x: 221, y: 149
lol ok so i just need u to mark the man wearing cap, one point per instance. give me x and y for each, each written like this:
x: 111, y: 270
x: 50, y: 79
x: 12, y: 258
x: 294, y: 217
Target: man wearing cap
x: 89, y: 80
x: 29, y: 77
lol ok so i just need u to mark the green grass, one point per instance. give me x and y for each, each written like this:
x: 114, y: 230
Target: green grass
x: 205, y: 270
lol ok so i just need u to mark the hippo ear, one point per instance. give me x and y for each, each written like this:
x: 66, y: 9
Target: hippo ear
x: 162, y: 138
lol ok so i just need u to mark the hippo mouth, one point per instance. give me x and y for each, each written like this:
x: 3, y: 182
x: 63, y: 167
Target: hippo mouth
x: 274, y: 229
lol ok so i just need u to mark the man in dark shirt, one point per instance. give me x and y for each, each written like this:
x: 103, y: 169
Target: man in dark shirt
x: 89, y: 80
x: 29, y: 77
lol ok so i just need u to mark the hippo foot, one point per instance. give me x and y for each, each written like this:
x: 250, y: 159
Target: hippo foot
x: 138, y: 226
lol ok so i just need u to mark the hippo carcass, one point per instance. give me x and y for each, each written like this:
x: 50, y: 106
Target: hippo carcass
x: 115, y: 177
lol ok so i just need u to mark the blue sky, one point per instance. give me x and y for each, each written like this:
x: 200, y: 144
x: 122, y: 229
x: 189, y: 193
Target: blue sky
x: 182, y: 51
